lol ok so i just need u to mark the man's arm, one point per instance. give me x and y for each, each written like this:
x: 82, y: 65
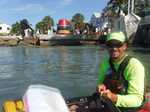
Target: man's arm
x: 104, y: 66
x: 134, y: 74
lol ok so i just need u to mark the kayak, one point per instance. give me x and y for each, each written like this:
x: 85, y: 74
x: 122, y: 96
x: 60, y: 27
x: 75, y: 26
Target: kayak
x: 37, y: 98
x: 41, y: 98
x: 77, y: 104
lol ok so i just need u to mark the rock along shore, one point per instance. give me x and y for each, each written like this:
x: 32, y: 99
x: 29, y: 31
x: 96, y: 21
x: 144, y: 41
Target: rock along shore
x: 9, y: 40
x: 17, y: 40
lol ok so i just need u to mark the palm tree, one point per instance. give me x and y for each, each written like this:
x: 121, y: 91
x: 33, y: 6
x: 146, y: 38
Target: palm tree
x: 40, y: 26
x: 16, y: 28
x: 48, y: 23
x: 44, y: 25
x: 78, y: 21
x: 24, y: 24
x: 114, y: 6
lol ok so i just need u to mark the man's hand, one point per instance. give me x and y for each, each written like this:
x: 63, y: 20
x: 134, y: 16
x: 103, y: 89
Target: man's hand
x: 107, y: 93
x: 101, y: 88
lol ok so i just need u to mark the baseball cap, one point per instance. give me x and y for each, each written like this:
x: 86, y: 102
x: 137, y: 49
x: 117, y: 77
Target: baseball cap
x: 115, y: 39
x: 116, y: 36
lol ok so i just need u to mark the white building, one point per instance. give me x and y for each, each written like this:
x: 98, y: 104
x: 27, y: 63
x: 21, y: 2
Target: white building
x: 96, y: 19
x: 5, y: 28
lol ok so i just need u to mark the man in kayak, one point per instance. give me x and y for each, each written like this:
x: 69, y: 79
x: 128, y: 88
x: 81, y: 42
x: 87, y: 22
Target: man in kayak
x: 121, y: 77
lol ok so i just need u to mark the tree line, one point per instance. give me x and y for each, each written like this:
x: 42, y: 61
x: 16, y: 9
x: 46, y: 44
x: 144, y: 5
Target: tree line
x: 77, y: 22
x: 112, y: 9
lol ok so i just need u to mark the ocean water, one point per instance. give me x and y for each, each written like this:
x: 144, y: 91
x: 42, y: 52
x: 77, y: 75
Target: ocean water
x: 71, y: 69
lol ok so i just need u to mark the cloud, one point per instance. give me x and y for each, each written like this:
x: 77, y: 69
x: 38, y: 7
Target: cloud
x: 29, y: 7
x: 66, y: 2
x: 3, y: 2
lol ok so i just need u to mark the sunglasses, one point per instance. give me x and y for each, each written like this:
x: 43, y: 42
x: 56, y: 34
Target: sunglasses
x: 114, y: 45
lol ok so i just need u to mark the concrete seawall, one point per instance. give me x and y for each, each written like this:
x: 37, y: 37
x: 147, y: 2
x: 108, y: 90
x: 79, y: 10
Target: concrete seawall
x: 55, y: 40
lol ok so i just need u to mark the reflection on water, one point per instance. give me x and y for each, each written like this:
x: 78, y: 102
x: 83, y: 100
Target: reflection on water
x: 72, y: 69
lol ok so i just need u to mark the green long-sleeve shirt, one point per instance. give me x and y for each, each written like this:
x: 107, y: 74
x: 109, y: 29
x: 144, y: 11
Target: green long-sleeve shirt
x: 134, y: 73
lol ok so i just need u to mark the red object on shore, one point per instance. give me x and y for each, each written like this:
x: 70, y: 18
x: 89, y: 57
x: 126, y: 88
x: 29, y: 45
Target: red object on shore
x: 63, y: 22
x: 63, y: 27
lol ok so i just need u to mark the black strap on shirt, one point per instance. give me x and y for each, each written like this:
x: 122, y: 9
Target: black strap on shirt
x: 121, y: 68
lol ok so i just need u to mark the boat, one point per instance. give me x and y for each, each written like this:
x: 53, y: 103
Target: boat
x: 136, y: 27
x: 127, y: 23
x: 41, y: 98
x: 142, y: 36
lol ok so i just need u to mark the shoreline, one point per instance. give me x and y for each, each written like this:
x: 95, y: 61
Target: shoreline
x: 55, y: 40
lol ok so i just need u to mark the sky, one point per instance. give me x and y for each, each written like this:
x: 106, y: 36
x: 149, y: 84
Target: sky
x: 35, y: 10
